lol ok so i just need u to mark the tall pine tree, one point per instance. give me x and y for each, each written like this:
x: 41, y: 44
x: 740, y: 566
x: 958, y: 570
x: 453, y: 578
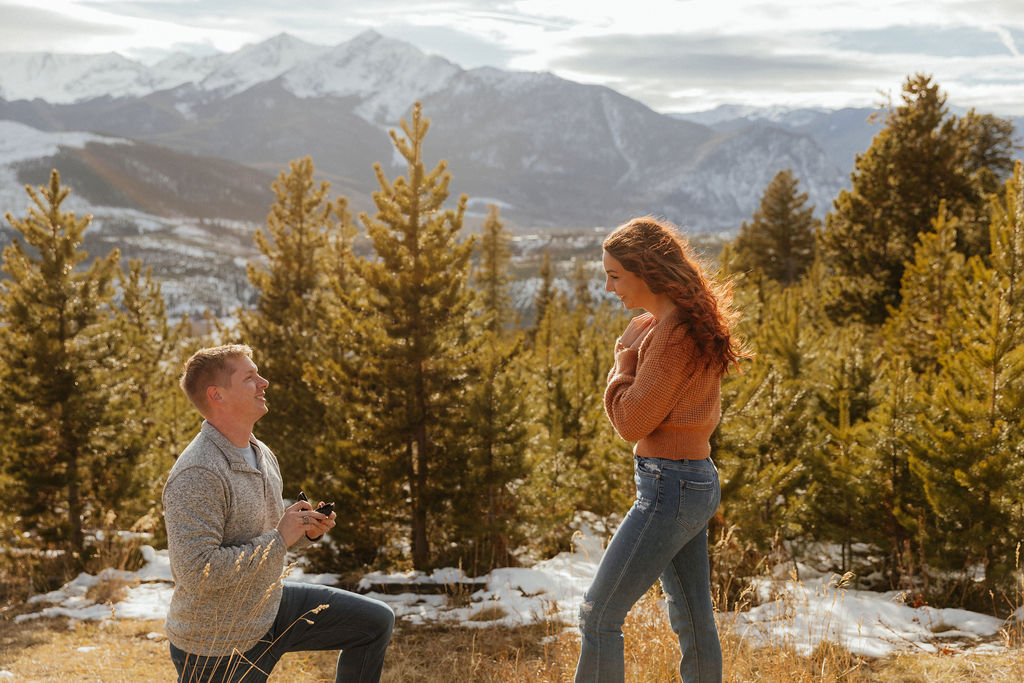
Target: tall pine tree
x: 349, y: 467
x: 921, y: 157
x: 970, y: 453
x: 415, y: 340
x: 152, y: 352
x: 768, y: 426
x: 780, y: 238
x: 63, y: 405
x: 292, y: 284
x: 496, y: 422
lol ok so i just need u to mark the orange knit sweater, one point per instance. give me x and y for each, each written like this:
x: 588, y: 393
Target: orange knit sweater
x: 663, y: 395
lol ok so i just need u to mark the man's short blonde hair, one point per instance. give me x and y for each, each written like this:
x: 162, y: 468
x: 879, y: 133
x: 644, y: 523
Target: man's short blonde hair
x: 210, y: 367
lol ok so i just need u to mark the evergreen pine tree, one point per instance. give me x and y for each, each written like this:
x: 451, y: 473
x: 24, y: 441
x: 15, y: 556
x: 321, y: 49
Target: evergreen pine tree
x: 546, y: 293
x: 914, y: 337
x: 151, y: 351
x: 918, y: 159
x: 837, y: 488
x: 349, y: 465
x: 599, y: 460
x: 62, y: 408
x: 780, y: 239
x: 415, y: 342
x: 496, y: 423
x: 492, y: 277
x: 767, y: 425
x: 969, y: 453
x: 894, y: 516
x: 293, y: 291
x: 919, y: 330
x: 576, y: 462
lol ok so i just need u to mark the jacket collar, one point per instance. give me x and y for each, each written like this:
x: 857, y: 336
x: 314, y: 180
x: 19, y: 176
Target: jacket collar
x: 228, y: 449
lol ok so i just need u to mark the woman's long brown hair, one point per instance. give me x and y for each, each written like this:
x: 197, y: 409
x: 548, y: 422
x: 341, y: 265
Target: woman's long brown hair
x: 655, y: 251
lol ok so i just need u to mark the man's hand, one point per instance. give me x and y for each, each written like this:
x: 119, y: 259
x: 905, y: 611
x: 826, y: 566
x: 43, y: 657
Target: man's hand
x: 319, y: 524
x: 299, y: 518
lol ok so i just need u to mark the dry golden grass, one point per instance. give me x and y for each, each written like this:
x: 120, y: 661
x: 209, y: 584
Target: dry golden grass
x: 108, y: 590
x: 47, y: 650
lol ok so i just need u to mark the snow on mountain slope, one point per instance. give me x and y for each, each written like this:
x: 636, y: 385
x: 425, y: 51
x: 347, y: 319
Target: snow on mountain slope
x: 386, y: 74
x: 19, y: 142
x: 259, y: 63
x: 65, y: 78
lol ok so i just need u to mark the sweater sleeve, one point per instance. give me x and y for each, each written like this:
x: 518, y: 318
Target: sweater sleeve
x: 304, y: 541
x: 195, y: 509
x: 645, y: 384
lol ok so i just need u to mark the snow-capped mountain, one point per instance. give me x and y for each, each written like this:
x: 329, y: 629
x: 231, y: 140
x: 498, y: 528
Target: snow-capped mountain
x: 547, y: 150
x: 841, y: 133
x: 253, y: 64
x: 66, y: 79
x: 63, y: 78
x: 384, y: 74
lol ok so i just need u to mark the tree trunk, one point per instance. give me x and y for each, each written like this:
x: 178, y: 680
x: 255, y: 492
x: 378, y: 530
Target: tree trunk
x: 420, y: 544
x: 75, y: 513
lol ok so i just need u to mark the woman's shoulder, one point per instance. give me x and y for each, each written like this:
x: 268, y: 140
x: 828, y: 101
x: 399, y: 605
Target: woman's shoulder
x: 674, y: 327
x: 675, y: 333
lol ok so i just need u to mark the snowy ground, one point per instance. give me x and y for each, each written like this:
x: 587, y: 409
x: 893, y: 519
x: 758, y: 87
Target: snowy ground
x: 799, y: 614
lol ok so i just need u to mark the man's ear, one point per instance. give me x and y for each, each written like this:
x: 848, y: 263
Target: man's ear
x: 213, y: 394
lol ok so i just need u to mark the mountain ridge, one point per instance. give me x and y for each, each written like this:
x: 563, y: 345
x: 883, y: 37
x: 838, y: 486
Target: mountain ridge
x: 550, y: 151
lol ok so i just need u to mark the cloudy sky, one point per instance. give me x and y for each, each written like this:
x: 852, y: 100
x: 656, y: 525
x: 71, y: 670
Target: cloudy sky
x: 673, y: 55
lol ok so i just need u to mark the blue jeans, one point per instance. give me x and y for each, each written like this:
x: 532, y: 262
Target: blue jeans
x: 664, y: 534
x: 359, y: 626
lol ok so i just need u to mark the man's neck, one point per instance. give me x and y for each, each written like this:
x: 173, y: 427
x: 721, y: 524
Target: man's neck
x: 237, y: 433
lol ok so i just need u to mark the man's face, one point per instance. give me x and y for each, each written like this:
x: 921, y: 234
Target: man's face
x: 244, y: 396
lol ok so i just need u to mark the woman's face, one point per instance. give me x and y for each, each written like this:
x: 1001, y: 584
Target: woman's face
x: 629, y: 287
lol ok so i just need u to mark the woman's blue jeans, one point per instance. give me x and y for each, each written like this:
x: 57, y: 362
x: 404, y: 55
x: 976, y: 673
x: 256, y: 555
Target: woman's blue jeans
x: 357, y: 625
x: 664, y: 534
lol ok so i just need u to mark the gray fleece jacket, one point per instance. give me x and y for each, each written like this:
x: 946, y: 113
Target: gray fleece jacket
x: 225, y: 550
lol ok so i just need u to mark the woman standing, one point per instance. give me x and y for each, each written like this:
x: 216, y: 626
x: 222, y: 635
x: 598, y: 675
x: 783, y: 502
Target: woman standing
x: 664, y: 394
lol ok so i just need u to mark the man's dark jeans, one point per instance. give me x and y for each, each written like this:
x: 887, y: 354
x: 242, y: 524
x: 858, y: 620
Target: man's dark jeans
x: 359, y: 626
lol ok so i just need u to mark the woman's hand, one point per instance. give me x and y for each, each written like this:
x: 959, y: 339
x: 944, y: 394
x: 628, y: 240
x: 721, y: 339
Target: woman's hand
x: 637, y: 330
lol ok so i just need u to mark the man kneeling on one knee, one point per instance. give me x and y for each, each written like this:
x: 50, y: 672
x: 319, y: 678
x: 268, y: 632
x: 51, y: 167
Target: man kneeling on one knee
x: 232, y: 616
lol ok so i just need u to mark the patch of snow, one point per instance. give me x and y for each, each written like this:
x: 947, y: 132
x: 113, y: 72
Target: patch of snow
x: 19, y: 142
x: 804, y: 613
x: 800, y: 614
